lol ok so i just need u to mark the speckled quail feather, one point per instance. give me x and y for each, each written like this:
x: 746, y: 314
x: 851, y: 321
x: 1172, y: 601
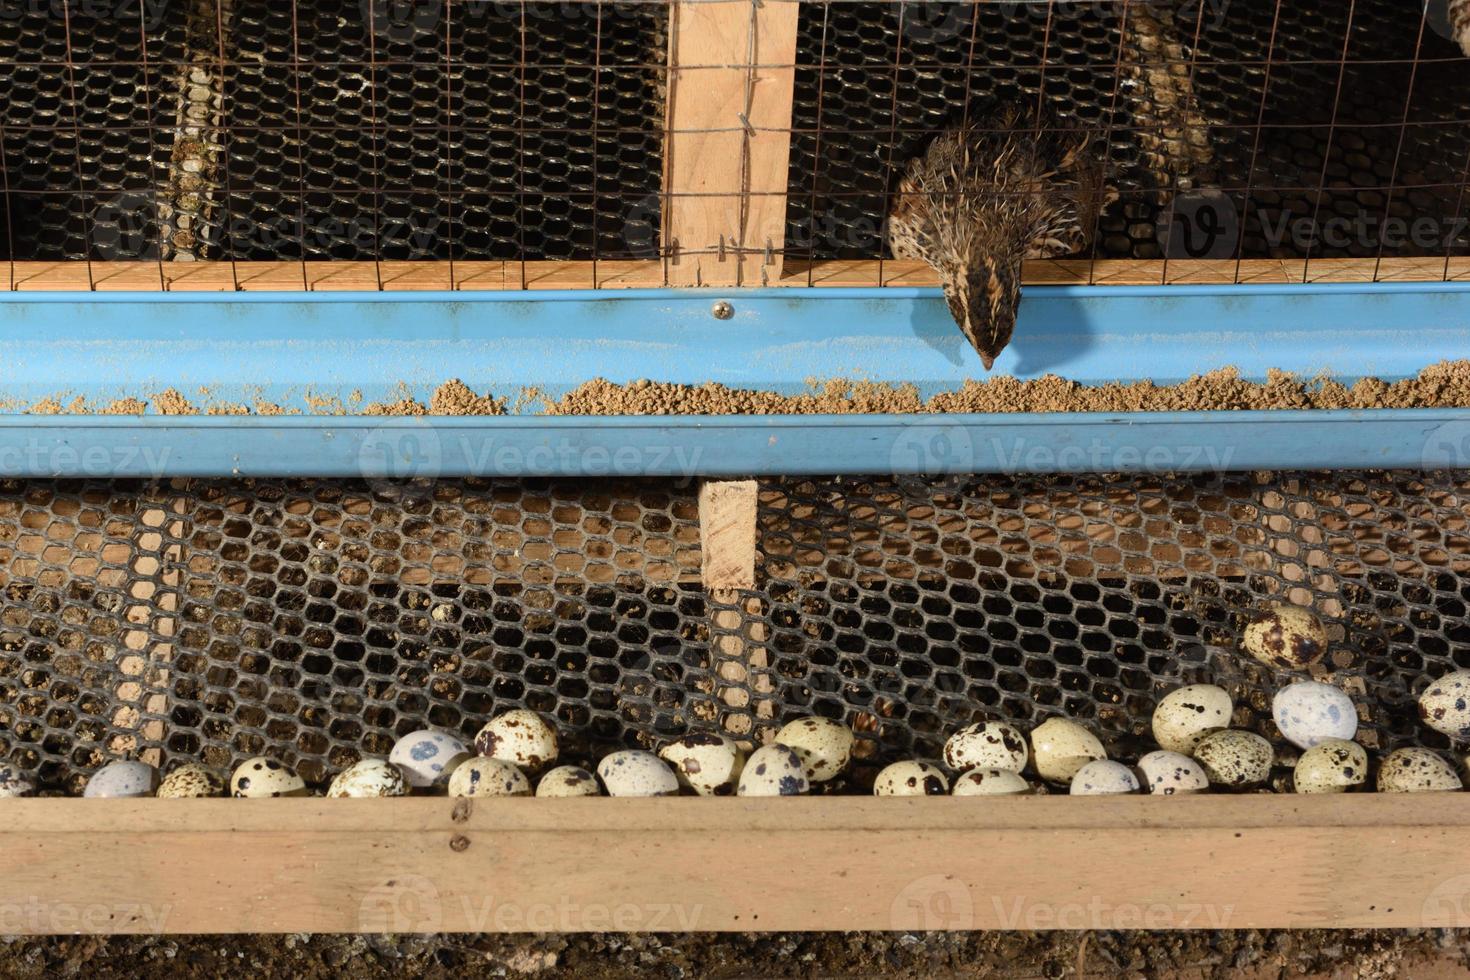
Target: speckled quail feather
x: 1008, y: 186
x: 1460, y: 23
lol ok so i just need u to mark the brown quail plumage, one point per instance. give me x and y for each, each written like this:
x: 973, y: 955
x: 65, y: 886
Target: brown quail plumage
x: 1008, y: 186
x: 1460, y: 23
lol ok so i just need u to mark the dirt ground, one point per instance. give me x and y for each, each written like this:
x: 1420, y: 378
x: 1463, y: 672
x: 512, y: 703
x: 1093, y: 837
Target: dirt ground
x: 1249, y: 955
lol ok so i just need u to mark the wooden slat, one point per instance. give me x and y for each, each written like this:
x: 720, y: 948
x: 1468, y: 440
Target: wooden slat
x: 725, y: 177
x: 328, y: 276
x: 429, y: 865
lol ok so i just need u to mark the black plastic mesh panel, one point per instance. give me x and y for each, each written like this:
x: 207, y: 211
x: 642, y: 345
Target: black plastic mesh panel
x: 316, y: 621
x: 877, y: 81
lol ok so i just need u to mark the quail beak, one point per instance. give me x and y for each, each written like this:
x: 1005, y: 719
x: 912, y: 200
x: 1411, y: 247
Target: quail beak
x: 988, y: 361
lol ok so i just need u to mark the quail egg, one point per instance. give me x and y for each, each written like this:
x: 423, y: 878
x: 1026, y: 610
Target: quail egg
x: 709, y: 764
x: 1185, y: 716
x: 634, y: 772
x: 521, y: 737
x: 774, y: 770
x: 1416, y: 771
x: 1331, y: 766
x: 1104, y: 778
x: 825, y: 746
x: 428, y: 756
x: 910, y: 779
x: 568, y: 781
x: 1061, y: 747
x: 488, y: 777
x: 1309, y: 712
x: 127, y: 777
x: 261, y: 778
x: 369, y: 778
x: 986, y: 745
x: 989, y: 782
x: 1287, y: 636
x: 1445, y: 705
x: 191, y: 781
x: 1235, y: 759
x: 13, y: 782
x: 1171, y: 774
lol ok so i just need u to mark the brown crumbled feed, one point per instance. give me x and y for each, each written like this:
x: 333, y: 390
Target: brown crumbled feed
x: 454, y: 397
x: 171, y: 402
x: 226, y: 408
x: 47, y: 406
x: 126, y: 406
x: 271, y: 408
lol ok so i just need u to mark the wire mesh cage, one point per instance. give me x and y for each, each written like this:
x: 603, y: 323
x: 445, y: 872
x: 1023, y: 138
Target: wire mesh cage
x: 316, y: 622
x: 311, y: 130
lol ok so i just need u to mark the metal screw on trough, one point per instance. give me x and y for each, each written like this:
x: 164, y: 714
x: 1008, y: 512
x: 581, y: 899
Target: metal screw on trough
x: 722, y: 310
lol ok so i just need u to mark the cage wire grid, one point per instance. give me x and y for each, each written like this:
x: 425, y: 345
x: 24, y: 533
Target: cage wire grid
x: 317, y: 621
x: 303, y: 130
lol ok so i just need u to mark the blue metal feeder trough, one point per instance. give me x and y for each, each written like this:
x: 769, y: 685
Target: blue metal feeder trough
x: 304, y: 349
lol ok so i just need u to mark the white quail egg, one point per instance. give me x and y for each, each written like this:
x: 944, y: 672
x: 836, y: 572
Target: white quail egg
x: 989, y: 782
x: 773, y: 770
x: 825, y: 746
x: 634, y: 772
x: 14, y: 782
x: 488, y: 777
x: 566, y: 781
x: 261, y: 778
x: 1416, y: 771
x: 1104, y: 778
x: 1061, y: 747
x: 910, y: 779
x: 1171, y: 774
x: 191, y: 781
x: 707, y: 763
x: 521, y: 737
x: 1287, y: 636
x: 1445, y: 705
x: 428, y: 756
x: 986, y: 745
x: 127, y: 777
x: 1185, y: 716
x: 367, y: 779
x: 1331, y: 766
x: 1309, y: 712
x: 1234, y: 758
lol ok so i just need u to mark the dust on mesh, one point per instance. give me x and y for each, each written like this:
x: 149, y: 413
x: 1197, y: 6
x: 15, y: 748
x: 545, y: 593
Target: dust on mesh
x: 316, y: 621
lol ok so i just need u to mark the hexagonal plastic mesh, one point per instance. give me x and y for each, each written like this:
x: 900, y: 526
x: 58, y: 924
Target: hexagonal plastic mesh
x: 317, y: 621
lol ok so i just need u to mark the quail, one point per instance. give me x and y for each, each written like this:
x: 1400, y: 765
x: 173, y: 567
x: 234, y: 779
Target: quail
x: 1008, y: 185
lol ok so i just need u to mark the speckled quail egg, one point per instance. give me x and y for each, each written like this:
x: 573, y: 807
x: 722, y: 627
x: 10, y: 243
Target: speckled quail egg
x: 261, y: 778
x: 1287, y: 636
x: 367, y: 779
x: 521, y: 737
x: 1235, y: 759
x: 564, y: 781
x: 1104, y: 778
x: 1061, y: 747
x: 1168, y: 773
x: 13, y: 782
x: 707, y: 763
x: 825, y: 746
x: 1445, y: 705
x: 634, y: 772
x: 986, y: 745
x: 127, y: 777
x: 428, y: 756
x: 1416, y: 770
x: 191, y: 781
x: 910, y: 779
x: 989, y: 782
x: 1185, y: 716
x: 488, y: 777
x: 1331, y: 766
x: 774, y: 770
x: 1309, y: 712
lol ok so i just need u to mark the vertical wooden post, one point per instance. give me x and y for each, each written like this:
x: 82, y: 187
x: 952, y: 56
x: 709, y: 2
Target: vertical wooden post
x: 727, y: 517
x: 728, y: 139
